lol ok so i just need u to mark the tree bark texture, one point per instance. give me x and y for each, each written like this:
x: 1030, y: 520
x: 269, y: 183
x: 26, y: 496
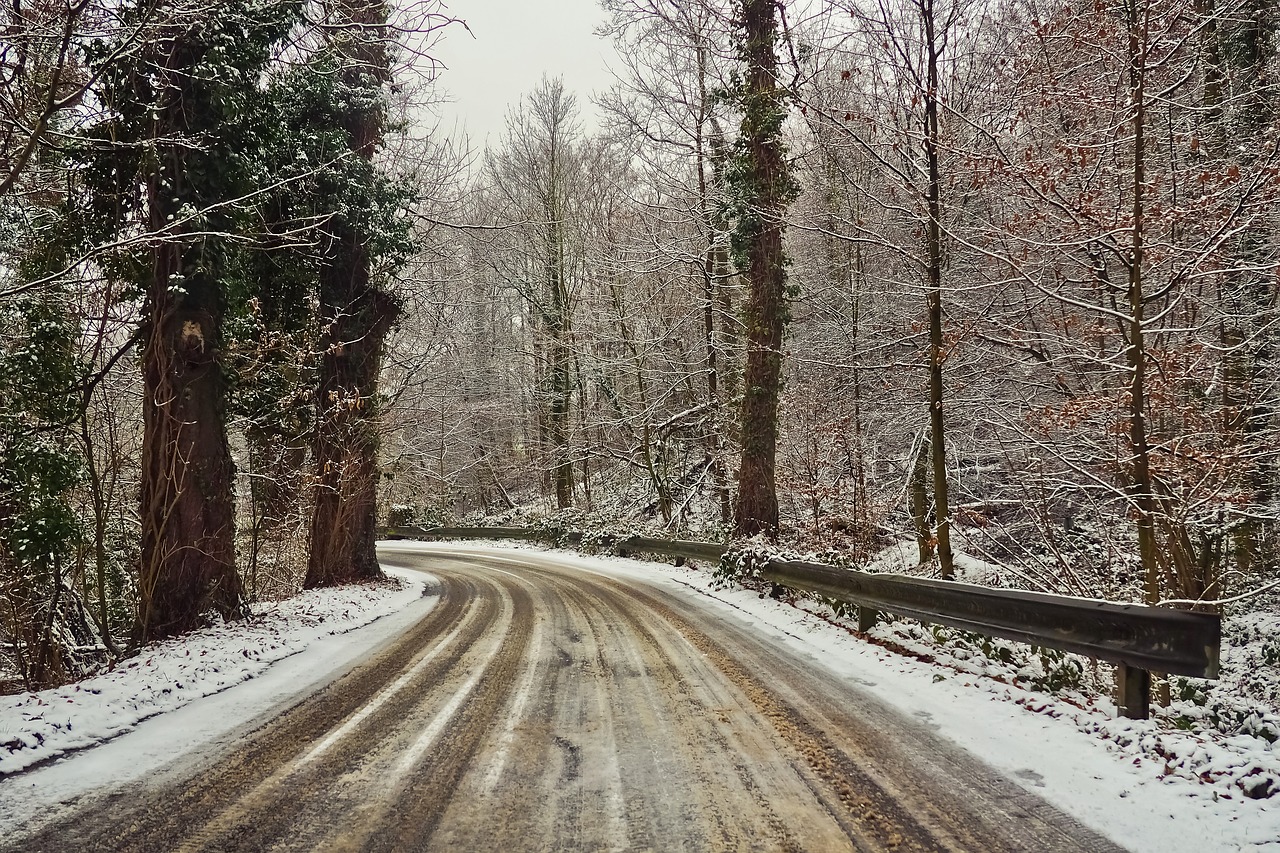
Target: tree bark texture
x: 360, y: 315
x: 187, y: 493
x: 756, y: 510
x: 344, y: 517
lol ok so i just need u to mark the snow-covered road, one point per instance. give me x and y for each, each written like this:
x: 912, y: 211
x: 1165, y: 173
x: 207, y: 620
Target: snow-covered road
x: 565, y: 702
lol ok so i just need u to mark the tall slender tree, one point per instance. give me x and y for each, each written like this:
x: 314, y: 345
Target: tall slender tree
x: 934, y: 42
x: 764, y: 186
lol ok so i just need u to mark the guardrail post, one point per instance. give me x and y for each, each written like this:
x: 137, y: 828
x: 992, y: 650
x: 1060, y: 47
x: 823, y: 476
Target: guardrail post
x: 866, y: 618
x: 1133, y: 692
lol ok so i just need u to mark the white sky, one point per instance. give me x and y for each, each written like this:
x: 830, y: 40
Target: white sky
x: 515, y: 42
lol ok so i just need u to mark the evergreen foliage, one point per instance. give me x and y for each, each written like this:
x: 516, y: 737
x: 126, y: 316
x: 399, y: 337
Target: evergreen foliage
x: 188, y: 111
x: 40, y: 374
x: 745, y: 181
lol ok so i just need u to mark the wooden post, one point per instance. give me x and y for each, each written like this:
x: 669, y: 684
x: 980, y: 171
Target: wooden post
x: 1133, y: 692
x: 866, y: 618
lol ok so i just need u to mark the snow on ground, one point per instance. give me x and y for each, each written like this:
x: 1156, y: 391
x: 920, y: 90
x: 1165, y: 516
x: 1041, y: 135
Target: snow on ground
x: 35, y: 727
x: 1128, y: 779
x: 1222, y: 744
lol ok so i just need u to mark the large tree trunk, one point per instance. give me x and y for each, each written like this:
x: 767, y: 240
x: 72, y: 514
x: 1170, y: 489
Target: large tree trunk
x: 187, y: 508
x: 757, y: 507
x: 360, y: 315
x: 344, y: 518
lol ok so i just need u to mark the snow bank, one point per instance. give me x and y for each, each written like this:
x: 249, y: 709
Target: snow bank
x: 38, y: 726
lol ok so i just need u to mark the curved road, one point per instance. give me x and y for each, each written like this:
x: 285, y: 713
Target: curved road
x: 542, y: 707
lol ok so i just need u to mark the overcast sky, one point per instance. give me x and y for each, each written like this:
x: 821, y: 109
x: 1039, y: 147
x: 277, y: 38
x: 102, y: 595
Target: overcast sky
x: 515, y: 42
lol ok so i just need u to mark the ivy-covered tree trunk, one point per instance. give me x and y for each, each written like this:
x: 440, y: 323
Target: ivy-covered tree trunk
x: 187, y: 502
x: 179, y: 151
x: 359, y: 316
x: 765, y: 188
x: 188, y: 507
x: 344, y: 520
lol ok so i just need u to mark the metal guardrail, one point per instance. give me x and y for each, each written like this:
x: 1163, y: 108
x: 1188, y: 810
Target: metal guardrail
x: 466, y: 533
x: 679, y: 548
x: 1138, y: 638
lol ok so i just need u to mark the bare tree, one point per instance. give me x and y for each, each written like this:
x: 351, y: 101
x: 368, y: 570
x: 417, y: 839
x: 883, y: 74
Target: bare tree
x: 665, y: 107
x: 536, y: 177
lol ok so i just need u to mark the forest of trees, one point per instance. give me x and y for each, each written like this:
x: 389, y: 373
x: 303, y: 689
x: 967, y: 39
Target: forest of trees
x: 992, y: 284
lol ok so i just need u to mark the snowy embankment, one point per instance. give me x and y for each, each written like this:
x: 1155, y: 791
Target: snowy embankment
x: 38, y: 726
x: 1221, y: 737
